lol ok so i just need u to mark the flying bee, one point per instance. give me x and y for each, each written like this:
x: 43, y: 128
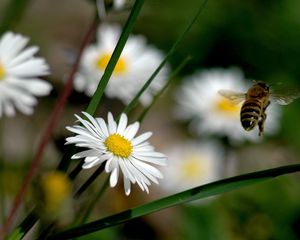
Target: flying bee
x: 256, y: 100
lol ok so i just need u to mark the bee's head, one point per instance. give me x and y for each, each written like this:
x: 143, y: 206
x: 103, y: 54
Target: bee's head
x: 262, y: 85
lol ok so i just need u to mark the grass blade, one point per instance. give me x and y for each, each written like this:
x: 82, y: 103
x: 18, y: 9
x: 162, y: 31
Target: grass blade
x: 207, y: 190
x: 91, y: 109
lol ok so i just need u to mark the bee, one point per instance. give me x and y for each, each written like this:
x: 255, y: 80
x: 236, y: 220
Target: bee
x: 256, y: 101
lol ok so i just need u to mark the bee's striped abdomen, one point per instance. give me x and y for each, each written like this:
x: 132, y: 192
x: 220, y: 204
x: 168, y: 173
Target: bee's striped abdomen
x: 250, y: 113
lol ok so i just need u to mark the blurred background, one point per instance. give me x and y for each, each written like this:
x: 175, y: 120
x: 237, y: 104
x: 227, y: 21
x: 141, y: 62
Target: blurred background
x: 262, y: 38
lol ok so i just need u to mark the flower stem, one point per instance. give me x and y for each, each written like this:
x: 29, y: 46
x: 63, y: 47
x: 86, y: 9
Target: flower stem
x: 89, y: 180
x: 91, y: 109
x: 157, y: 95
x: 91, y: 205
x: 53, y: 120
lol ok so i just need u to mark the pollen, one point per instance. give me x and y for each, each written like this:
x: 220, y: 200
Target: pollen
x: 2, y: 71
x: 228, y: 107
x: 118, y: 145
x: 103, y: 60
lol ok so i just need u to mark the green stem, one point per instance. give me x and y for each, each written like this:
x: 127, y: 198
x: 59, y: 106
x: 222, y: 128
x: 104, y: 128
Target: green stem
x: 134, y: 101
x: 91, y: 109
x: 90, y: 180
x: 97, y: 96
x: 94, y: 201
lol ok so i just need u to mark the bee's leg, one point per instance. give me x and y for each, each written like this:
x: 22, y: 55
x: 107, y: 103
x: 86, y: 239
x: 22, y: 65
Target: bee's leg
x: 262, y: 120
x: 261, y: 123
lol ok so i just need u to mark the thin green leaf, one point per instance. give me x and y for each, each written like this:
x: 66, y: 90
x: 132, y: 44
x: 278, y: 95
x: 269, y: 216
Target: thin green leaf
x: 207, y: 190
x: 16, y: 234
x: 91, y: 109
x: 171, y: 79
x: 93, y: 202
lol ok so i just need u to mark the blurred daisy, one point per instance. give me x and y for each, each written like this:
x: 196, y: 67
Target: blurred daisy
x: 52, y: 193
x: 19, y: 72
x: 192, y: 164
x: 211, y: 113
x: 136, y: 64
x: 116, y: 144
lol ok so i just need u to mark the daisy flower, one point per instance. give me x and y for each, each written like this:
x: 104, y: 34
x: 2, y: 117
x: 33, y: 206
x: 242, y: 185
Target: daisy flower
x: 211, y: 113
x: 135, y: 65
x: 19, y: 75
x: 116, y: 144
x: 53, y: 195
x: 192, y: 164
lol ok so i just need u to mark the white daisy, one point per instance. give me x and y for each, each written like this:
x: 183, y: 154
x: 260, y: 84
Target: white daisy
x: 136, y: 64
x: 117, y: 145
x: 19, y: 75
x: 192, y: 164
x: 199, y: 100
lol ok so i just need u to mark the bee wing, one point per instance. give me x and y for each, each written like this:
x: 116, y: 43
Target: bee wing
x: 282, y: 94
x: 285, y: 99
x: 235, y: 97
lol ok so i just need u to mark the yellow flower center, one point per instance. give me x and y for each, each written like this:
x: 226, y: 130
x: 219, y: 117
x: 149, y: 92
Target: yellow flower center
x: 2, y: 71
x: 56, y: 187
x: 103, y: 60
x: 193, y: 167
x: 118, y: 145
x: 228, y: 107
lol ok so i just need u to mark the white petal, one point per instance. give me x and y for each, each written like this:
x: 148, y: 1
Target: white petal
x: 16, y: 94
x: 31, y: 68
x: 112, y: 125
x: 103, y: 126
x: 151, y: 154
x: 86, y: 153
x: 127, y: 186
x: 141, y: 138
x: 148, y: 169
x: 27, y: 53
x: 91, y: 129
x: 125, y: 170
x: 8, y: 109
x: 113, y: 180
x: 109, y: 166
x: 24, y: 108
x: 35, y: 86
x: 137, y: 173
x: 91, y: 162
x: 122, y: 124
x: 131, y: 130
x: 83, y: 132
x: 95, y: 124
x: 153, y: 160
